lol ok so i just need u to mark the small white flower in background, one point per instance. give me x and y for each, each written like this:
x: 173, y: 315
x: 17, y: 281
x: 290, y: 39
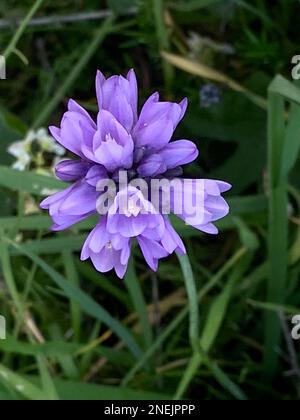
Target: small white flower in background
x: 20, y: 151
x: 48, y: 144
x: 32, y: 148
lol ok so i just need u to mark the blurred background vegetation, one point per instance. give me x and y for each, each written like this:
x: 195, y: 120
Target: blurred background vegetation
x: 73, y: 333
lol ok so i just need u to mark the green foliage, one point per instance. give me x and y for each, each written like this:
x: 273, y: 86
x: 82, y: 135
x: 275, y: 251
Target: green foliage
x: 209, y: 324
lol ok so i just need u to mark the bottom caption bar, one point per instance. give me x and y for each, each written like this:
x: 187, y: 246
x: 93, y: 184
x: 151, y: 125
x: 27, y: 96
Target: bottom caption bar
x: 132, y: 409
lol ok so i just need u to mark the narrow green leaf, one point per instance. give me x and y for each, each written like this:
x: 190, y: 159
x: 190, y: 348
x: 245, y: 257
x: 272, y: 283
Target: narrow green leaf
x: 47, y: 382
x: 191, y: 289
x: 137, y: 297
x: 29, y: 182
x: 21, y: 385
x: 86, y: 56
x: 87, y: 304
x: 210, y: 332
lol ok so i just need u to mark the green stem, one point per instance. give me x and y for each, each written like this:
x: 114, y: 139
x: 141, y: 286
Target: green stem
x: 192, y: 298
x: 278, y: 228
x: 181, y: 316
x: 163, y: 39
x: 13, y: 43
x: 100, y: 35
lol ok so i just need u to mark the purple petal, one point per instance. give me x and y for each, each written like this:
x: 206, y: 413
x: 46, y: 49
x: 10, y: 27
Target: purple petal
x: 65, y: 222
x: 179, y: 153
x: 154, y: 135
x: 171, y: 241
x: 129, y: 227
x: 154, y: 110
x: 119, y: 96
x: 81, y: 200
x: 72, y: 170
x: 131, y: 77
x: 55, y: 198
x: 121, y: 270
x: 152, y: 251
x: 104, y: 261
x: 203, y: 203
x: 152, y: 165
x: 113, y: 146
x: 95, y: 174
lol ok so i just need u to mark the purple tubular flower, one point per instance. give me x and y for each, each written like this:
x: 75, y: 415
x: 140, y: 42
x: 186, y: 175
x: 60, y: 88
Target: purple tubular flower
x: 152, y: 250
x: 206, y: 203
x: 152, y: 165
x: 119, y: 96
x: 131, y: 215
x: 72, y: 170
x: 157, y: 123
x: 71, y: 206
x: 106, y: 250
x: 77, y: 129
x: 179, y: 153
x: 112, y: 145
x: 121, y: 141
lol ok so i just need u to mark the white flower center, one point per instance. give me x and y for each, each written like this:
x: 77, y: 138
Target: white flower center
x: 109, y: 245
x: 109, y: 138
x: 132, y: 209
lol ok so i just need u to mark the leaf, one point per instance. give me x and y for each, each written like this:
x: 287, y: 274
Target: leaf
x: 29, y: 182
x: 191, y: 289
x: 210, y: 332
x: 52, y: 246
x: 192, y: 5
x: 281, y: 144
x: 137, y: 297
x: 46, y: 379
x: 226, y: 382
x: 248, y: 237
x: 88, y: 52
x: 122, y: 7
x: 199, y: 69
x: 75, y: 391
x: 21, y: 385
x: 9, y: 132
x: 181, y: 316
x: 50, y: 349
x: 273, y: 307
x: 87, y: 304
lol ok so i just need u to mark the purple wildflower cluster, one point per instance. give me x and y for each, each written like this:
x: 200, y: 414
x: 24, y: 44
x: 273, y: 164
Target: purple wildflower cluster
x: 140, y: 144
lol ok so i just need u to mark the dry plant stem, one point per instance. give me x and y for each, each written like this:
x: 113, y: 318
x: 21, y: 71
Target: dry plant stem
x: 162, y: 308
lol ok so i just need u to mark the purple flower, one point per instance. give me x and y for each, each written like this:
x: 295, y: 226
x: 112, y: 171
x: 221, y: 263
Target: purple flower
x: 120, y: 142
x: 210, y: 95
x: 106, y: 250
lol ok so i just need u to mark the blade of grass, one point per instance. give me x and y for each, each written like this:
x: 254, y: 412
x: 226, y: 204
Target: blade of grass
x: 273, y: 307
x: 163, y: 38
x: 21, y: 385
x: 137, y: 297
x: 87, y: 304
x: 226, y: 382
x: 29, y: 182
x: 47, y: 382
x: 9, y: 277
x: 199, y: 69
x: 191, y: 289
x: 192, y: 5
x: 66, y: 361
x: 21, y: 29
x: 182, y: 315
x: 72, y: 276
x: 101, y: 281
x: 279, y: 157
x: 210, y: 332
x: 88, y: 53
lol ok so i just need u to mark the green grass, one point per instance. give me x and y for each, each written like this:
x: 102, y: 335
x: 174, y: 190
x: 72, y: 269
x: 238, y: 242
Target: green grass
x: 207, y: 326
